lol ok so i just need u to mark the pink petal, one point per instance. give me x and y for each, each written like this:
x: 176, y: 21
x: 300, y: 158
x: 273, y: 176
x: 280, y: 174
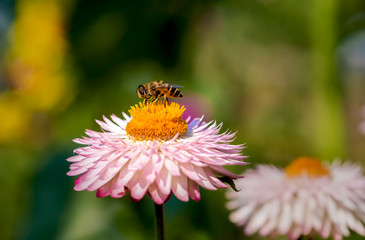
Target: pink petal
x: 172, y: 167
x: 193, y: 190
x: 138, y: 186
x: 104, y: 191
x: 179, y: 186
x: 157, y: 196
x: 149, y: 173
x: 213, y: 179
x: 163, y: 181
x: 125, y: 175
x: 189, y: 171
x: 75, y: 158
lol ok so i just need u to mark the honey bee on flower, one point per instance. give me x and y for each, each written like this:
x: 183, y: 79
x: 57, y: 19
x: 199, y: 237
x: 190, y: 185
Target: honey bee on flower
x: 156, y: 90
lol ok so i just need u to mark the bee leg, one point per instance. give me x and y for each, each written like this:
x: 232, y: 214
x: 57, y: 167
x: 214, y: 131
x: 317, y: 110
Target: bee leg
x: 144, y: 102
x: 157, y: 97
x: 164, y: 100
x: 149, y: 103
x: 154, y: 100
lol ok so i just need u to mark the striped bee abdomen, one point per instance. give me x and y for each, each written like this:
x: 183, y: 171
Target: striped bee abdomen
x: 174, y: 92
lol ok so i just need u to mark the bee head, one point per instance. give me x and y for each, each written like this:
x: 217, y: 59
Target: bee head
x: 141, y: 91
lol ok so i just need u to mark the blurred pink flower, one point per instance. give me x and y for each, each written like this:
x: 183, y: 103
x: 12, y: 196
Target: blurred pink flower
x: 139, y: 158
x: 196, y: 105
x: 304, y: 201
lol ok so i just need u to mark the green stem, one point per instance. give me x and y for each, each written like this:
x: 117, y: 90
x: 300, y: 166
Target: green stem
x: 328, y: 132
x: 303, y: 238
x: 160, y: 222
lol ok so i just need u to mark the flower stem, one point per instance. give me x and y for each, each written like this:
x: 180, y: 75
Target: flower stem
x: 308, y: 238
x: 329, y: 132
x: 160, y: 222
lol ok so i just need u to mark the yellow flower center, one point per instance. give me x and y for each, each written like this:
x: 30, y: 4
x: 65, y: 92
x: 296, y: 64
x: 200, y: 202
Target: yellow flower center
x: 156, y: 121
x: 312, y: 167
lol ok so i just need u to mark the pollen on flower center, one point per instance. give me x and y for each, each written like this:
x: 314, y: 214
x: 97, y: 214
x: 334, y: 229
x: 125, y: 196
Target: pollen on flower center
x: 156, y: 121
x: 312, y: 167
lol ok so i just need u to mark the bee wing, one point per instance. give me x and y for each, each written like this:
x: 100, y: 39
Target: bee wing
x: 177, y: 86
x: 169, y: 85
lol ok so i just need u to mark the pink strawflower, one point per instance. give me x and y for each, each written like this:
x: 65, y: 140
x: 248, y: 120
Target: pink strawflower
x: 154, y: 151
x: 306, y: 198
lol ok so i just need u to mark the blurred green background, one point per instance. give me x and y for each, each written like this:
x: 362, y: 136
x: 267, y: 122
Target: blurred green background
x: 288, y: 75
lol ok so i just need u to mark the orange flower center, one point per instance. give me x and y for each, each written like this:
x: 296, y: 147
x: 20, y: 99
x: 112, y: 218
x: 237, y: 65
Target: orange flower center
x: 309, y: 166
x: 156, y: 121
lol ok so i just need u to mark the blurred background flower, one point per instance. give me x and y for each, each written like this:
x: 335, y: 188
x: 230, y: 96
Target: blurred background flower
x: 307, y: 198
x: 287, y: 75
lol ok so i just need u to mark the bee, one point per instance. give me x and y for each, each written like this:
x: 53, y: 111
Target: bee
x: 156, y: 90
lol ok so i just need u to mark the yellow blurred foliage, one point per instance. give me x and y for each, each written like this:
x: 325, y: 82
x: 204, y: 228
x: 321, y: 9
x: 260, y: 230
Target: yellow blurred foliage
x: 40, y: 88
x: 38, y: 54
x: 35, y: 67
x: 15, y: 118
x: 38, y: 33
